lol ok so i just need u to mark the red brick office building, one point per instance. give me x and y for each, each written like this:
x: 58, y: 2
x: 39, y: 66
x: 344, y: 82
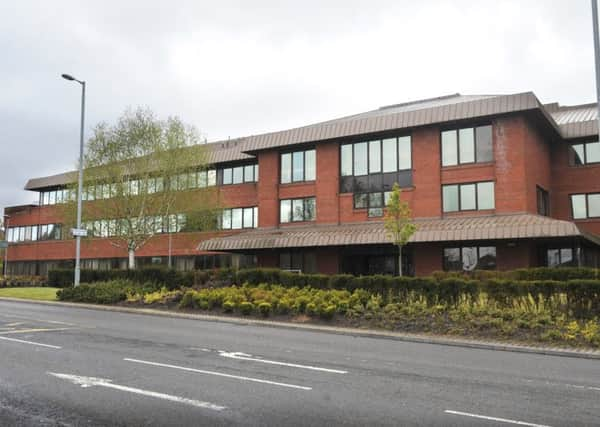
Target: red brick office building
x: 493, y: 181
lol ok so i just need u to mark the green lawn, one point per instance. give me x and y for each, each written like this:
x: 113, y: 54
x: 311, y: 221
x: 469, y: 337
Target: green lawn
x: 45, y: 294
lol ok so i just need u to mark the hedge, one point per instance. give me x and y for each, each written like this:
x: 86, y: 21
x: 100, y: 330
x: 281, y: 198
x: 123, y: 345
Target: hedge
x: 579, y: 286
x: 22, y: 281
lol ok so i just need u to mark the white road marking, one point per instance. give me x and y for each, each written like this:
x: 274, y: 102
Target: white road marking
x: 103, y: 382
x: 243, y: 356
x: 25, y: 331
x: 218, y: 374
x: 20, y: 316
x: 577, y: 386
x: 30, y: 342
x: 500, y: 420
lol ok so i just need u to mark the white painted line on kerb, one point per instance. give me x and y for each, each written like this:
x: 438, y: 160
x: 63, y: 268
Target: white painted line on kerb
x: 242, y: 356
x: 30, y: 342
x: 103, y: 382
x: 218, y: 374
x: 500, y: 420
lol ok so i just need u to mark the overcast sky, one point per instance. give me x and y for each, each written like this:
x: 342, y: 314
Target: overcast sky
x: 235, y: 68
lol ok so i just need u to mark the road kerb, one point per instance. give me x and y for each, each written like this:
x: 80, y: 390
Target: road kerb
x: 363, y: 333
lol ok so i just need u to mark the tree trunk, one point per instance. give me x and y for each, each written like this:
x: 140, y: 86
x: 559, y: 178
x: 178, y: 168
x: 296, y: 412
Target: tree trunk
x: 131, y: 265
x: 399, y: 260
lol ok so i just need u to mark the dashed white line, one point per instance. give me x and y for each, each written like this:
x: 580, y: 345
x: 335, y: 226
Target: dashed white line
x: 242, y: 356
x: 103, y: 382
x: 30, y: 342
x: 218, y: 374
x: 500, y: 420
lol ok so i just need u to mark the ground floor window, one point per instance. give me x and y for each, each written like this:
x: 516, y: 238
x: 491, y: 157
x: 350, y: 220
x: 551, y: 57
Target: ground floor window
x: 561, y: 257
x: 304, y: 262
x: 469, y: 258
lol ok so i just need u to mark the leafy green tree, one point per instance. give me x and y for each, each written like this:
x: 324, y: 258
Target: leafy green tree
x: 398, y: 222
x: 136, y: 172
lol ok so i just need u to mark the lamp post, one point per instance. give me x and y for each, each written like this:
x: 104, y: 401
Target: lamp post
x: 6, y: 221
x: 80, y: 182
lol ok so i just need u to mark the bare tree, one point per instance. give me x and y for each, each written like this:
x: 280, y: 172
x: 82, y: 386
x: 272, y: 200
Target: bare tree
x: 136, y: 175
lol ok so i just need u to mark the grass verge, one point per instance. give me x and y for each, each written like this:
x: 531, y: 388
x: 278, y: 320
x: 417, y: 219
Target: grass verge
x: 42, y: 293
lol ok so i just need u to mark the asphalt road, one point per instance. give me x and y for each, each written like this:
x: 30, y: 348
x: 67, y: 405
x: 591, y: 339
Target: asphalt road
x: 69, y: 366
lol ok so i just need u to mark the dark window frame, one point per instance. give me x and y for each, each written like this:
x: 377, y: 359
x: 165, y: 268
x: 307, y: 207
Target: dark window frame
x: 459, y: 185
x: 543, y: 196
x: 291, y: 171
x: 291, y: 214
x: 221, y: 174
x: 457, y: 131
x: 368, y: 206
x: 574, y: 255
x: 587, y: 205
x: 303, y: 260
x: 242, y: 208
x: 368, y: 142
x: 460, y: 252
x: 572, y: 154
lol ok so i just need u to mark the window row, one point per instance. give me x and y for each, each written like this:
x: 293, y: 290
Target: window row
x: 584, y: 154
x: 298, y: 166
x: 238, y: 218
x: 379, y: 156
x: 57, y: 196
x: 239, y: 174
x: 373, y: 202
x: 173, y: 223
x: 469, y: 258
x: 295, y: 210
x: 467, y: 197
x: 585, y: 205
x: 467, y: 145
x: 32, y: 233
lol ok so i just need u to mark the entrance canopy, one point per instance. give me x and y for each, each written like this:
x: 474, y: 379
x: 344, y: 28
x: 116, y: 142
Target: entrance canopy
x: 496, y: 227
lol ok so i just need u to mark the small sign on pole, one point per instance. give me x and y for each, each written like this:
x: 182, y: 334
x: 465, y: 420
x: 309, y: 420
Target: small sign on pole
x: 79, y: 232
x: 3, y: 244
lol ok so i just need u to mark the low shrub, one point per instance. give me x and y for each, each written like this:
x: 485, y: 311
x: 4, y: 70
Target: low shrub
x: 246, y: 307
x: 22, y: 281
x: 265, y: 308
x: 99, y: 293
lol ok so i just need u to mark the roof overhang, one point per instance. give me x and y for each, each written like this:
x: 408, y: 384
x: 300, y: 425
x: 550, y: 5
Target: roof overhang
x: 497, y: 227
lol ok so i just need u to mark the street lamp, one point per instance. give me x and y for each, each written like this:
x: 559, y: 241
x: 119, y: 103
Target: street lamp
x: 80, y: 183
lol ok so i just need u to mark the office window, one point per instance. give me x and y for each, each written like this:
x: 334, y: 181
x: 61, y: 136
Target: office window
x: 469, y: 258
x: 238, y: 218
x: 467, y: 145
x: 298, y: 166
x: 390, y: 152
x: 584, y: 153
x: 361, y: 159
x: 561, y: 257
x: 305, y: 262
x: 294, y: 210
x: 233, y: 175
x: 464, y: 197
x: 374, y: 156
x: 249, y: 173
x: 375, y: 165
x: 373, y: 202
x: 346, y: 155
x: 585, y: 205
x: 238, y: 175
x: 227, y: 176
x: 543, y: 201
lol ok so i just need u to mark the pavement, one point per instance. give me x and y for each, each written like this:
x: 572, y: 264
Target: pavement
x: 64, y: 365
